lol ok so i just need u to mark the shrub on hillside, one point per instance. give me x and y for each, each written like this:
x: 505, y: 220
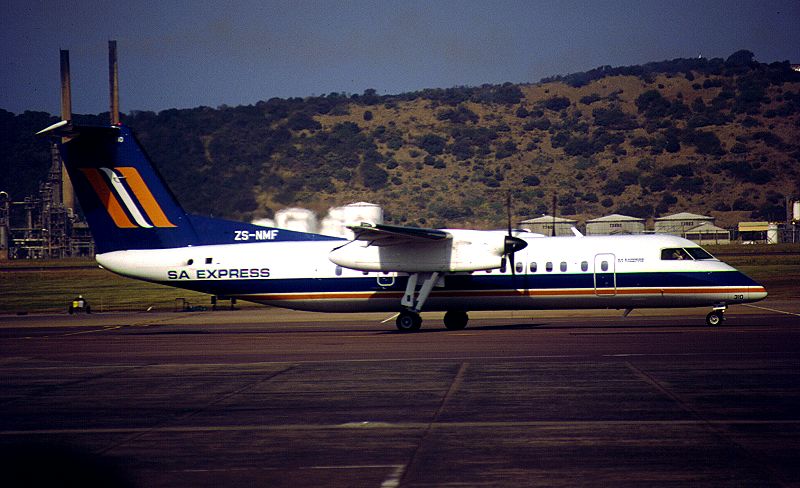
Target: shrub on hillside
x: 432, y: 144
x: 556, y: 104
x: 652, y: 104
x: 459, y: 115
x: 614, y: 118
x: 373, y: 177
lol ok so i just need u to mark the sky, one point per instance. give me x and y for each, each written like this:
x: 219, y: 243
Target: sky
x: 184, y: 54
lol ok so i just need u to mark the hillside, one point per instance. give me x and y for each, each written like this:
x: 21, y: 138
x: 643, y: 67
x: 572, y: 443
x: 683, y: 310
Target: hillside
x: 709, y: 136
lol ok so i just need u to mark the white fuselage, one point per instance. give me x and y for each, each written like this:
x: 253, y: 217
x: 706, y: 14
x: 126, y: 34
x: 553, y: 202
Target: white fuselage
x: 551, y: 273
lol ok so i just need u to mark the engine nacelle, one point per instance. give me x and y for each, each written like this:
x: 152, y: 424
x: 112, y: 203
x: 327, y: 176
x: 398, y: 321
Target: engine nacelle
x: 466, y: 250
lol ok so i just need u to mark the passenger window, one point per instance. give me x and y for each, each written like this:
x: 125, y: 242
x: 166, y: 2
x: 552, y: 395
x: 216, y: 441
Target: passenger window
x: 549, y: 266
x: 604, y: 266
x: 563, y: 266
x: 190, y: 262
x: 519, y: 267
x: 209, y: 260
x: 584, y: 266
x: 338, y: 271
x: 533, y: 267
x: 675, y: 254
x: 503, y: 266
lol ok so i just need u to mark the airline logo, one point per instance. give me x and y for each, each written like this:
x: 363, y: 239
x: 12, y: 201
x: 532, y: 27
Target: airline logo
x: 119, y: 189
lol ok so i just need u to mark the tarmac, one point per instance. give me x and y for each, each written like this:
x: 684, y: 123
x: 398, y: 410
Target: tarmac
x: 267, y: 397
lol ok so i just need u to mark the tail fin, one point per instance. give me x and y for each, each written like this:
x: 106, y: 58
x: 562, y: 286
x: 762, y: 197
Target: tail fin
x: 125, y: 200
x: 129, y: 206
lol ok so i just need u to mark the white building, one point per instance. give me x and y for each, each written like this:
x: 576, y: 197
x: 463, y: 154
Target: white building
x: 679, y: 223
x: 544, y: 225
x: 614, y: 224
x: 707, y: 233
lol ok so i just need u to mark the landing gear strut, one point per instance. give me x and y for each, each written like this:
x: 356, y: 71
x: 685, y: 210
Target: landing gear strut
x: 408, y: 321
x: 455, y: 319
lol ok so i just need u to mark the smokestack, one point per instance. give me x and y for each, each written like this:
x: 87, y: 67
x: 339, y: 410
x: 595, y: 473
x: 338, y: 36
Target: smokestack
x: 67, y: 193
x: 113, y: 81
x: 66, y: 93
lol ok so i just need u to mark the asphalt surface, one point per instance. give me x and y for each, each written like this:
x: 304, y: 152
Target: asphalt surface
x: 276, y: 398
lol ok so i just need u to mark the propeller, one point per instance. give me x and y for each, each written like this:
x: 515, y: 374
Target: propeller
x: 511, y: 244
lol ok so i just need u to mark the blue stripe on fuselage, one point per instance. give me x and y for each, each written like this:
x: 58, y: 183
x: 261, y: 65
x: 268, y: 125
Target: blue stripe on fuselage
x: 474, y: 282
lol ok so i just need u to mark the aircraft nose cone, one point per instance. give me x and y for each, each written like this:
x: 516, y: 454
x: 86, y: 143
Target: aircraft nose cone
x: 757, y: 293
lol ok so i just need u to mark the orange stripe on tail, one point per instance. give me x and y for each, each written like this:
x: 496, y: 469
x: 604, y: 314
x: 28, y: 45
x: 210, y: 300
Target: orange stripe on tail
x: 146, y: 199
x: 108, y: 199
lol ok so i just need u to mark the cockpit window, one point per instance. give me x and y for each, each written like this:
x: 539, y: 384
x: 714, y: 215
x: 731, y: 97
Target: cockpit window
x: 699, y: 253
x: 675, y: 254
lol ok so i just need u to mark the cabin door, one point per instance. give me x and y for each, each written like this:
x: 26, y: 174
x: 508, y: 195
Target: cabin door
x: 605, y: 277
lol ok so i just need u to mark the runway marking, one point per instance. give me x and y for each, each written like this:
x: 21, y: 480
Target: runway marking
x: 395, y: 426
x: 722, y: 431
x: 395, y: 477
x: 771, y: 309
x: 413, y: 359
x: 104, y: 329
x: 414, y: 459
x: 145, y: 323
x: 136, y: 435
x: 354, y: 466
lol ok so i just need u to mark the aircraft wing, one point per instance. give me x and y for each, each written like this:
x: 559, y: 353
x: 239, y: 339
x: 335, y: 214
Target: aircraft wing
x: 390, y: 235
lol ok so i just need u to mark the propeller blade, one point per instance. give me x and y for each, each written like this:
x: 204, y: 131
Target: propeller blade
x: 508, y: 209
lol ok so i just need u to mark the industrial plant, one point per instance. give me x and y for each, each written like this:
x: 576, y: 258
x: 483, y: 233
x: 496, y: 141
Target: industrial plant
x: 48, y: 225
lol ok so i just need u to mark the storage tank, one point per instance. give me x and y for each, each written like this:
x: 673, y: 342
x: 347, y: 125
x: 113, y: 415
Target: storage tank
x: 356, y: 213
x: 334, y: 227
x: 264, y: 222
x: 338, y: 218
x: 772, y: 233
x: 297, y: 219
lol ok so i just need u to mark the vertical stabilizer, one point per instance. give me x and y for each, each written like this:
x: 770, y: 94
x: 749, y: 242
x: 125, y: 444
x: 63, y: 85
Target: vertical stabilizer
x: 124, y: 199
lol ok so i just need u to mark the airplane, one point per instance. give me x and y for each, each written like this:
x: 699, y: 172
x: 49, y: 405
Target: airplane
x: 141, y: 232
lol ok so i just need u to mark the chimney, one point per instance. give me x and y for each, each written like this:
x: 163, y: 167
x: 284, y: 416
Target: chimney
x: 113, y: 81
x: 67, y: 193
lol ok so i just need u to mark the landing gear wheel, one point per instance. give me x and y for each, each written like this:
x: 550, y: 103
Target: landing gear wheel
x: 715, y: 317
x: 455, y: 319
x: 408, y: 322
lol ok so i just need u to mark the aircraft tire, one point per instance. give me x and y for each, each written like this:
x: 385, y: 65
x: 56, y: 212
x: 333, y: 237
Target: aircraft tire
x: 408, y: 322
x: 455, y: 319
x: 715, y: 318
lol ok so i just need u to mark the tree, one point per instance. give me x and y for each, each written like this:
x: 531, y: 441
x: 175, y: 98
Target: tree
x: 374, y: 177
x: 652, y: 104
x: 556, y: 104
x: 740, y: 58
x: 432, y: 144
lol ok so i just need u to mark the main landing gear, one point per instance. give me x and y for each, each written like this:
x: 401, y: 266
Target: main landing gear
x: 409, y: 320
x: 716, y: 316
x: 456, y: 319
